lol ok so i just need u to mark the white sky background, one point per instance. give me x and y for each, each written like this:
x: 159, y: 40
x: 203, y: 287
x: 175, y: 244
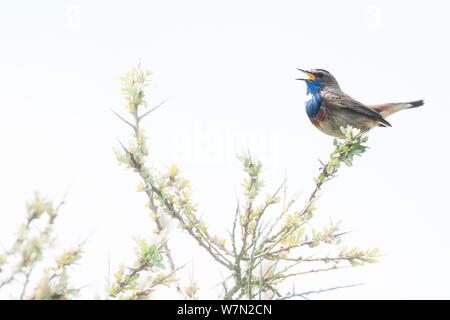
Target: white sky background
x: 228, y: 69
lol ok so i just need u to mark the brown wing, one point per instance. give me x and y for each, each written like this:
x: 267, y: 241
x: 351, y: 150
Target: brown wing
x: 342, y: 100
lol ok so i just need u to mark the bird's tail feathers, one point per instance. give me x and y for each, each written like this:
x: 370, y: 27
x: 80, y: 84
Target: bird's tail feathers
x: 414, y: 104
x: 387, y: 109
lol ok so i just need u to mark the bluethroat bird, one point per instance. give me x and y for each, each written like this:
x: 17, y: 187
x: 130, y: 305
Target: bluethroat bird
x: 328, y: 108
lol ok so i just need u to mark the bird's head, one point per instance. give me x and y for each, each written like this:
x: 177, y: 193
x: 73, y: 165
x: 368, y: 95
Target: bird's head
x: 319, y: 77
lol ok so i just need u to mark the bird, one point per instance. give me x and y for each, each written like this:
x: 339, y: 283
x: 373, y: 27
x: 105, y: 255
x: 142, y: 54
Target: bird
x: 329, y: 108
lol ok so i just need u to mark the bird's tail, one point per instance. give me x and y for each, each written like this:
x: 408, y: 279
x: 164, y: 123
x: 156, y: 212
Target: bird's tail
x: 387, y: 109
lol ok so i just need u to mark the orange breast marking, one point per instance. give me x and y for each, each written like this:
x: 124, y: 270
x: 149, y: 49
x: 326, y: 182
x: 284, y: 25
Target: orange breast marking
x: 320, y: 118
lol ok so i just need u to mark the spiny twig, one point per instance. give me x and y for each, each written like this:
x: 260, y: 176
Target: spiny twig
x: 306, y: 293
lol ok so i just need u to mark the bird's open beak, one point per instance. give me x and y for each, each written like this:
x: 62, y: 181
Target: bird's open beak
x: 308, y: 74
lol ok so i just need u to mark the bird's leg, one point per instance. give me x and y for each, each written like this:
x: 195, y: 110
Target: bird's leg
x: 363, y: 132
x: 324, y: 168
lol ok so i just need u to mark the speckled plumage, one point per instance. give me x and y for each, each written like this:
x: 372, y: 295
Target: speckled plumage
x: 329, y: 108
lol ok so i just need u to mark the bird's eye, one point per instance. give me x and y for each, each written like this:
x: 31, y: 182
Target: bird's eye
x: 321, y: 74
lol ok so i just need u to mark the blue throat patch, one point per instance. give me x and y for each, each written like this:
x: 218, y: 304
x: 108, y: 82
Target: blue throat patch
x: 314, y: 100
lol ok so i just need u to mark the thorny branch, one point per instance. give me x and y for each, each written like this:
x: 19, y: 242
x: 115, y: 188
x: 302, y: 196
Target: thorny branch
x: 262, y: 254
x: 306, y: 293
x: 27, y: 251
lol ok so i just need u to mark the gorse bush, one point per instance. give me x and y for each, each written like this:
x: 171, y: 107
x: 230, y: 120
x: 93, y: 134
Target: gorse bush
x: 262, y: 252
